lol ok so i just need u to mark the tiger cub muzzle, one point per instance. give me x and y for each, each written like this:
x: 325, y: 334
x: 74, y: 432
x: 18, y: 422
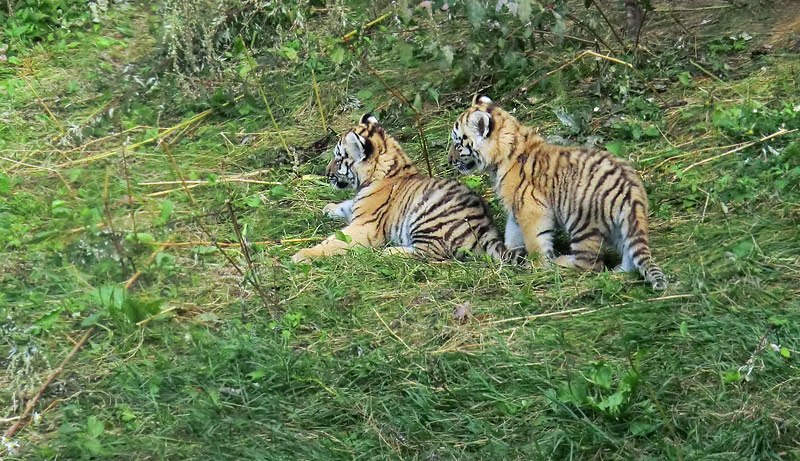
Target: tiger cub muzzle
x: 336, y: 180
x: 464, y: 164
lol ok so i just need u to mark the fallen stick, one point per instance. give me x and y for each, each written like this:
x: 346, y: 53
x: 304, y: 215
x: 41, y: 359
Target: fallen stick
x: 780, y: 132
x: 53, y: 375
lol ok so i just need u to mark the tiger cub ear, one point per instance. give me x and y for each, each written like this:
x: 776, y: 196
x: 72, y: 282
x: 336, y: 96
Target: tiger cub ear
x: 480, y: 99
x: 481, y: 123
x: 357, y: 146
x: 368, y: 119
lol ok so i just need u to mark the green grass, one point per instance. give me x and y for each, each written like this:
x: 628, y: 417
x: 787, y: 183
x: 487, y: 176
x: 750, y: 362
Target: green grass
x: 361, y: 356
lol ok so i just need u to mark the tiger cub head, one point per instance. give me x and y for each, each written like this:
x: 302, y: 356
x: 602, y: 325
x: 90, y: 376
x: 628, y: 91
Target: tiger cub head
x: 470, y: 135
x: 355, y: 155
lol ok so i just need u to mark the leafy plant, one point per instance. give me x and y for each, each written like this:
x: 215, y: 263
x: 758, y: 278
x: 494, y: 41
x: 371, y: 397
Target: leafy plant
x: 595, y: 389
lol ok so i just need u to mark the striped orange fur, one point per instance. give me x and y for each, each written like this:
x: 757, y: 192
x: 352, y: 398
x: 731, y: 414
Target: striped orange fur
x: 596, y: 198
x: 439, y: 218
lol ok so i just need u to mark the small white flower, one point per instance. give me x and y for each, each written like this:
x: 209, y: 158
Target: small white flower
x: 755, y: 111
x: 796, y: 108
x: 37, y: 417
x: 187, y: 337
x: 11, y: 446
x: 596, y: 109
x: 775, y: 347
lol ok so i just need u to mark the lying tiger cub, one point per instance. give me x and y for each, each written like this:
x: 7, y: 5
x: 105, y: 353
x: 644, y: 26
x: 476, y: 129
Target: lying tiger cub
x: 434, y: 217
x: 598, y: 199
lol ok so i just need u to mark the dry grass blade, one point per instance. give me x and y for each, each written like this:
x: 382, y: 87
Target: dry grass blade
x: 235, y: 244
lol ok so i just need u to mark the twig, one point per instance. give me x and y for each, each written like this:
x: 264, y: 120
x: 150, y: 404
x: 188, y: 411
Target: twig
x: 177, y: 170
x: 346, y: 37
x: 422, y: 140
x: 703, y: 69
x: 52, y: 117
x: 13, y: 430
x: 128, y: 187
x: 690, y: 10
x: 235, y: 244
x: 581, y: 56
x: 391, y: 332
x: 118, y: 247
x: 105, y: 138
x: 134, y: 146
x: 590, y: 29
x: 780, y: 132
x: 38, y: 167
x: 149, y: 261
x: 582, y: 310
x: 195, y: 182
x: 639, y: 29
x: 156, y: 138
x: 610, y: 26
x: 153, y: 317
x: 246, y: 251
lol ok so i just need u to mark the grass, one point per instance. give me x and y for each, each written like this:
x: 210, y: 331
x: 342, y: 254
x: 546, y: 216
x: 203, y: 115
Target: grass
x: 362, y: 356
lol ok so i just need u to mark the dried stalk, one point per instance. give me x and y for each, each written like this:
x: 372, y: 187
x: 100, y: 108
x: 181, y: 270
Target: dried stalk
x: 319, y: 102
x: 234, y: 244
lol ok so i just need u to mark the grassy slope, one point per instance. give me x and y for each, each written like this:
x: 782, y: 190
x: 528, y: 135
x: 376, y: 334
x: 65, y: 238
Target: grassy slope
x: 368, y: 360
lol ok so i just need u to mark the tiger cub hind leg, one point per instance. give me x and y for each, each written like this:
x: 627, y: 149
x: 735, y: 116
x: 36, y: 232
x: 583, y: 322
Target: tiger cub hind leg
x: 585, y: 252
x: 400, y: 251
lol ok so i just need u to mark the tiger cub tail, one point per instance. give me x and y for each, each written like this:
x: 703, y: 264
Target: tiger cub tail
x: 637, y: 251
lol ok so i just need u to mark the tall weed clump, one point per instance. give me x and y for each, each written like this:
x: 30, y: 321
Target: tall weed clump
x: 204, y: 39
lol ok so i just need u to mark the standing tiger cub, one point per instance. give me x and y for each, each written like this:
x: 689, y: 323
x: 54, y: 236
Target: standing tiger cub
x: 434, y: 217
x: 596, y: 198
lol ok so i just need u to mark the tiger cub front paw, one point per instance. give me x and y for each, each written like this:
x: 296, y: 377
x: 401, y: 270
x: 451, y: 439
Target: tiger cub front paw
x: 331, y: 210
x: 302, y: 256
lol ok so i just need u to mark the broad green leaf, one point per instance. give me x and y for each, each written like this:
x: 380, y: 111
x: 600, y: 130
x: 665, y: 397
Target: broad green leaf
x: 49, y: 319
x: 256, y: 375
x: 94, y: 427
x: 617, y: 148
x: 144, y: 237
x: 338, y: 54
x: 601, y: 375
x: 343, y: 237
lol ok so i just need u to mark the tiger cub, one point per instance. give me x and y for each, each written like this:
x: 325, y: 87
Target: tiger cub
x: 434, y: 217
x: 596, y: 198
